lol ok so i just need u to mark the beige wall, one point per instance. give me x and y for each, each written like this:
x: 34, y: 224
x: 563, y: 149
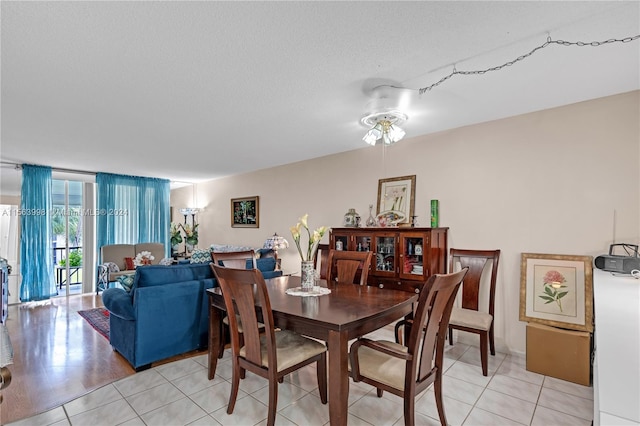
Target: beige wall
x: 547, y: 182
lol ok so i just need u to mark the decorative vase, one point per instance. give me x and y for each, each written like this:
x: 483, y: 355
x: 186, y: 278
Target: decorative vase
x: 188, y: 247
x: 371, y: 221
x: 307, y: 274
x: 352, y: 218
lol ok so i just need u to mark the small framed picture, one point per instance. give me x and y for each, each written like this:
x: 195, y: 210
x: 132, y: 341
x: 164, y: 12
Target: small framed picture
x: 245, y: 212
x: 557, y: 290
x: 396, y: 199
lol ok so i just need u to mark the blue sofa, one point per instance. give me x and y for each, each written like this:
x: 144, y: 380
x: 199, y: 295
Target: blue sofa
x: 166, y: 313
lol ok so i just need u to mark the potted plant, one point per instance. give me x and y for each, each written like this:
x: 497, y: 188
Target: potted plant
x: 191, y: 235
x: 176, y: 236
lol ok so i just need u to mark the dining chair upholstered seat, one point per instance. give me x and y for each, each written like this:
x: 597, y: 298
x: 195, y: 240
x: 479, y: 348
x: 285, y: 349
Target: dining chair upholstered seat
x: 408, y: 370
x: 386, y: 369
x: 343, y: 266
x: 469, y: 318
x: 475, y: 313
x: 291, y: 349
x: 269, y: 352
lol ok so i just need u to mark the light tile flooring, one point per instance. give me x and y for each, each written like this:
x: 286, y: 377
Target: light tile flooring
x: 180, y: 394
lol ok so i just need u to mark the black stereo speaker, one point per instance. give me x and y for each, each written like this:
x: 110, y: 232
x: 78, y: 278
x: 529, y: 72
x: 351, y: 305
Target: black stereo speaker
x: 616, y: 263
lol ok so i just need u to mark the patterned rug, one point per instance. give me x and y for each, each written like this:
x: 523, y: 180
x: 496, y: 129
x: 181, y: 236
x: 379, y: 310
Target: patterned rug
x: 98, y: 318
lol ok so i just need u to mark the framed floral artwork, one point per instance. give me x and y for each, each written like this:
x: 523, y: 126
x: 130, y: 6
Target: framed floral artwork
x: 557, y: 290
x: 396, y: 199
x: 245, y: 212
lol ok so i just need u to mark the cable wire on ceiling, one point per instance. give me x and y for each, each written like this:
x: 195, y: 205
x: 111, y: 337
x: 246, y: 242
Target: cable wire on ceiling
x: 523, y: 57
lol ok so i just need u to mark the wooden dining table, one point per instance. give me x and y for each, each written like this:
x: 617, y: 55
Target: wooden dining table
x: 348, y: 312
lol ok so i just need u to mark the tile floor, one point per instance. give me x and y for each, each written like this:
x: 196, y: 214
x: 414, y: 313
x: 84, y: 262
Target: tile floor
x: 180, y: 394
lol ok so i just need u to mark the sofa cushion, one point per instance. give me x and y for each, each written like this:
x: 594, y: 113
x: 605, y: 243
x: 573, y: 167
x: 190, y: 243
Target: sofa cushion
x: 116, y: 253
x: 155, y: 275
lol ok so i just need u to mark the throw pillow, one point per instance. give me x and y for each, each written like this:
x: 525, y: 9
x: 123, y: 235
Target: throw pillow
x: 166, y: 261
x: 112, y: 267
x: 128, y: 262
x: 200, y: 256
x: 265, y: 264
x: 126, y: 281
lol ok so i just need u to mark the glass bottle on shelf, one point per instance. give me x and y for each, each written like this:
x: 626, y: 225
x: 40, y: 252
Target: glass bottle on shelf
x: 371, y: 221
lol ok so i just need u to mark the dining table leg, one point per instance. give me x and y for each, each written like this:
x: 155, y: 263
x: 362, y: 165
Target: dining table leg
x: 338, y: 346
x: 214, y: 339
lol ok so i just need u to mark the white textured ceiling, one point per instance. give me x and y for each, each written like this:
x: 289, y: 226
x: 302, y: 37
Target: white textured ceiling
x: 191, y: 91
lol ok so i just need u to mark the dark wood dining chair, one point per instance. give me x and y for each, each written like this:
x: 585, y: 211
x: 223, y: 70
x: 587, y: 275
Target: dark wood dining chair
x: 343, y: 266
x: 471, y: 316
x: 234, y: 259
x: 272, y: 354
x: 410, y: 369
x: 322, y: 257
x: 237, y: 260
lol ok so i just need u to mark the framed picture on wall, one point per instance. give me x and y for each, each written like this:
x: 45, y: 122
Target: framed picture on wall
x: 396, y: 199
x: 557, y: 290
x: 245, y: 212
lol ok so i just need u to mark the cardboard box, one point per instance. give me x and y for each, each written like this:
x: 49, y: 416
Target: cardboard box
x: 556, y: 352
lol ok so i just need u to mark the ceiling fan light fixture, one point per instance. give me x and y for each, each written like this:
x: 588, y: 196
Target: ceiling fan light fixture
x: 375, y: 133
x: 384, y: 126
x: 396, y: 133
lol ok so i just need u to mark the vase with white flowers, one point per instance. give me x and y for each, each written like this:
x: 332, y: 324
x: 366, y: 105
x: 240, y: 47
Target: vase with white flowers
x: 307, y: 256
x: 143, y: 258
x: 190, y: 236
x: 176, y: 237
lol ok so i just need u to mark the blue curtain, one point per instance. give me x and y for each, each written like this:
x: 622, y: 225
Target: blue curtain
x: 132, y: 210
x: 36, y: 255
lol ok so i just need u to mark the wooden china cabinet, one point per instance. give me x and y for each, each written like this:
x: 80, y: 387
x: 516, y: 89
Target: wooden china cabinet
x: 404, y: 258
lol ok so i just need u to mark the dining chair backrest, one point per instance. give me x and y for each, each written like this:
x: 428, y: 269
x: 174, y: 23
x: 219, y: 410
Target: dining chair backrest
x: 475, y: 314
x: 343, y: 266
x: 322, y: 258
x: 243, y: 290
x: 421, y: 360
x: 265, y: 351
x: 234, y: 259
x: 431, y: 320
x: 476, y: 261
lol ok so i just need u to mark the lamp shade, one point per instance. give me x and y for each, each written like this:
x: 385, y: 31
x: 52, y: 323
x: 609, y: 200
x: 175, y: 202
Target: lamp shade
x: 276, y: 242
x: 189, y: 210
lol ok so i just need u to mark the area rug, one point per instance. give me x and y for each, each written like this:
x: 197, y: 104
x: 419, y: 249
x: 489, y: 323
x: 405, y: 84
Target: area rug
x: 98, y: 318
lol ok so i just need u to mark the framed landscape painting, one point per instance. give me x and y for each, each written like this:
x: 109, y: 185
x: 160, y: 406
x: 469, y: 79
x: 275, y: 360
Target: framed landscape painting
x: 396, y: 199
x: 557, y: 290
x: 245, y: 212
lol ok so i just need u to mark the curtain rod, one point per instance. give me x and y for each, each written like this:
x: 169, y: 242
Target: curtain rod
x: 18, y: 166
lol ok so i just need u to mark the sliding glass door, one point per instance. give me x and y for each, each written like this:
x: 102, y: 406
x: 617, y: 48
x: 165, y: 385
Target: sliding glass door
x: 68, y: 225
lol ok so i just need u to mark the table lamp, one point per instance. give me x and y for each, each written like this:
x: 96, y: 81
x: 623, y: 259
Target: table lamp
x: 275, y: 243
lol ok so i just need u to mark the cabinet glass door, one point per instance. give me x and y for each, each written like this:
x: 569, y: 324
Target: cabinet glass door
x: 362, y: 242
x: 412, y: 247
x: 385, y: 250
x: 340, y: 241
